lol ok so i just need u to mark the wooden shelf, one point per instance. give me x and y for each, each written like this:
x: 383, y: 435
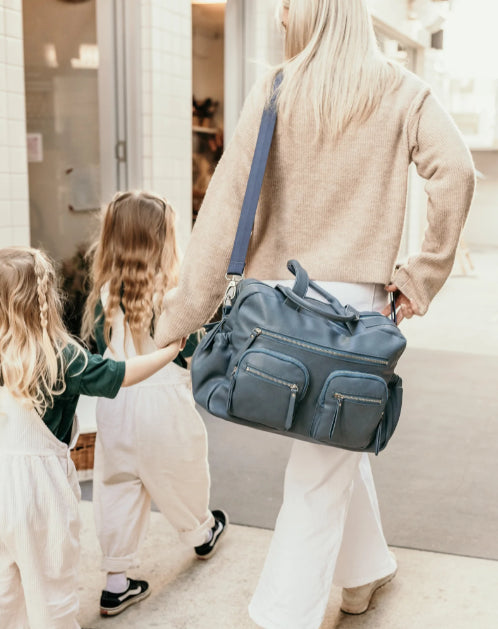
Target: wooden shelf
x: 208, y: 130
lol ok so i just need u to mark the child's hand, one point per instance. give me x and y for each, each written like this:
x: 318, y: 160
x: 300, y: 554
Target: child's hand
x: 139, y: 368
x: 176, y: 345
x: 180, y: 343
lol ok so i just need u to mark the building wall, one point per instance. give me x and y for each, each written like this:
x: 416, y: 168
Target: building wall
x: 166, y: 38
x: 252, y: 45
x: 413, y: 19
x: 481, y: 230
x: 14, y: 207
x: 393, y: 12
x: 263, y: 43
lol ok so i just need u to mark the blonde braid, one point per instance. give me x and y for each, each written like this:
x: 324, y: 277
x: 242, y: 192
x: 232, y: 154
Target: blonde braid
x: 35, y: 348
x: 42, y: 279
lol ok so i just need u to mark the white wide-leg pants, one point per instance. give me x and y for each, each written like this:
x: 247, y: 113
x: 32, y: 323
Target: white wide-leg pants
x: 328, y: 529
x: 151, y: 443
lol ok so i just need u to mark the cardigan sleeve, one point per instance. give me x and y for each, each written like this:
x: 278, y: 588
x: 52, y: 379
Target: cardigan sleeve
x: 441, y: 157
x: 202, y: 281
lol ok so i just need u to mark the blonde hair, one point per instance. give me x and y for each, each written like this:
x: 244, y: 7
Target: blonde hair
x: 33, y: 339
x: 333, y: 58
x: 136, y: 255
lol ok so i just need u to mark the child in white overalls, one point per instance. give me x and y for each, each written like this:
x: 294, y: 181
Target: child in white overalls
x: 151, y: 441
x: 42, y: 373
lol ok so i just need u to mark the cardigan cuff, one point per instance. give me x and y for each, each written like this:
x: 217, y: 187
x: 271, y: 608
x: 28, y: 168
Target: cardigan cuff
x: 413, y: 291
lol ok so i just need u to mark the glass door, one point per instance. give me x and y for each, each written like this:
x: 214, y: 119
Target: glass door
x: 62, y: 109
x: 83, y: 115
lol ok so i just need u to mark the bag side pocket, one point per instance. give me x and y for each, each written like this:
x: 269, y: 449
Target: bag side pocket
x: 266, y: 387
x: 392, y: 412
x: 210, y: 364
x: 350, y: 409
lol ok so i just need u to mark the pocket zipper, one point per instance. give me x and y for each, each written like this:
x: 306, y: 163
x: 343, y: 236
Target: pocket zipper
x: 356, y: 398
x: 294, y: 389
x: 340, y: 397
x: 320, y: 349
x: 254, y: 335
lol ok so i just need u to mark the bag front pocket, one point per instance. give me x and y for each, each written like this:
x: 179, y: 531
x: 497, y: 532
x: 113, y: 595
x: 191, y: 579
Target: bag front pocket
x: 265, y: 388
x: 349, y: 410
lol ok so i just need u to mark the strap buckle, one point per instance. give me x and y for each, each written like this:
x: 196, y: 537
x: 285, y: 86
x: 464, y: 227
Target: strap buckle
x: 231, y: 291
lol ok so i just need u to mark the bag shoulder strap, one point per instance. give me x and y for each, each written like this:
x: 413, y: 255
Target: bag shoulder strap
x: 254, y: 183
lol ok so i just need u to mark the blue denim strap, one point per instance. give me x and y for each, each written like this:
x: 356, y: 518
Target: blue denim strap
x: 254, y: 184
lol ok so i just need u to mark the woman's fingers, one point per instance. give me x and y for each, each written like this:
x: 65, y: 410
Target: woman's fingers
x: 390, y: 288
x: 405, y: 308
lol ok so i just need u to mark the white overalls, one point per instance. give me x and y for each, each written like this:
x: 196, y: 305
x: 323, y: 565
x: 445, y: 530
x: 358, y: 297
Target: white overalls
x: 329, y: 528
x: 39, y: 523
x: 151, y: 443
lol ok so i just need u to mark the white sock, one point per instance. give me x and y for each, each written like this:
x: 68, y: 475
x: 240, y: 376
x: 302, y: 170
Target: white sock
x: 209, y: 536
x: 116, y: 582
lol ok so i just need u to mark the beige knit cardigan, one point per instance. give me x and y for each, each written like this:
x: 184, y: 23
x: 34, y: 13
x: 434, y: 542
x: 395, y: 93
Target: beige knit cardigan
x: 336, y: 205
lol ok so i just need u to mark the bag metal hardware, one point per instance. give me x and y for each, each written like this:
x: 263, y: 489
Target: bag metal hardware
x: 231, y: 291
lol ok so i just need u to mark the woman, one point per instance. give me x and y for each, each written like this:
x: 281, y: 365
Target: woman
x: 334, y: 196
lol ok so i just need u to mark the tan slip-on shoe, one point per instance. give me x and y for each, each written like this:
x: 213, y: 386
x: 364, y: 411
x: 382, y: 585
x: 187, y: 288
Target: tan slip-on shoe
x: 357, y: 600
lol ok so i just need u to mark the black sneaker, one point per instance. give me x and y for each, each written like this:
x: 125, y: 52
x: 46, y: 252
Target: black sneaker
x: 113, y: 604
x: 207, y: 550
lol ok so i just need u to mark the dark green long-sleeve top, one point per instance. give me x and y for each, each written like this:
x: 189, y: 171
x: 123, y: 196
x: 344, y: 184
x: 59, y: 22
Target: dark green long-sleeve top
x: 100, y: 377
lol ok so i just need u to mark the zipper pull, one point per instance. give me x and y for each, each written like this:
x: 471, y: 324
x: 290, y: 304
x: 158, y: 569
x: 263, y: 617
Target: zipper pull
x: 340, y: 400
x: 254, y: 334
x: 292, y: 405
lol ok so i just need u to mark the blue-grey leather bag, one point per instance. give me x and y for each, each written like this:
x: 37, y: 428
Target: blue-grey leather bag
x: 280, y: 360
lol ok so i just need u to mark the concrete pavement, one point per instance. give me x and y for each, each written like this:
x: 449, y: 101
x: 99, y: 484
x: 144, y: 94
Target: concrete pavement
x: 431, y: 591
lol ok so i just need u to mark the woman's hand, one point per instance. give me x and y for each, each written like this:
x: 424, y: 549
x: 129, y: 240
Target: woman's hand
x: 405, y: 308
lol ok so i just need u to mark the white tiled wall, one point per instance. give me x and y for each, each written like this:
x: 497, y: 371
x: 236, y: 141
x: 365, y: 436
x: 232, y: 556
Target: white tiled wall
x: 167, y: 104
x: 263, y: 43
x: 14, y: 206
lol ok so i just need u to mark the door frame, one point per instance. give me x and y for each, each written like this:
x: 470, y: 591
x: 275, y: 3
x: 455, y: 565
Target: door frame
x: 120, y: 103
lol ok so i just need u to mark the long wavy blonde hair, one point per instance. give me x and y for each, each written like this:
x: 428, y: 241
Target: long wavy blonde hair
x: 33, y: 339
x: 136, y: 255
x: 333, y: 58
